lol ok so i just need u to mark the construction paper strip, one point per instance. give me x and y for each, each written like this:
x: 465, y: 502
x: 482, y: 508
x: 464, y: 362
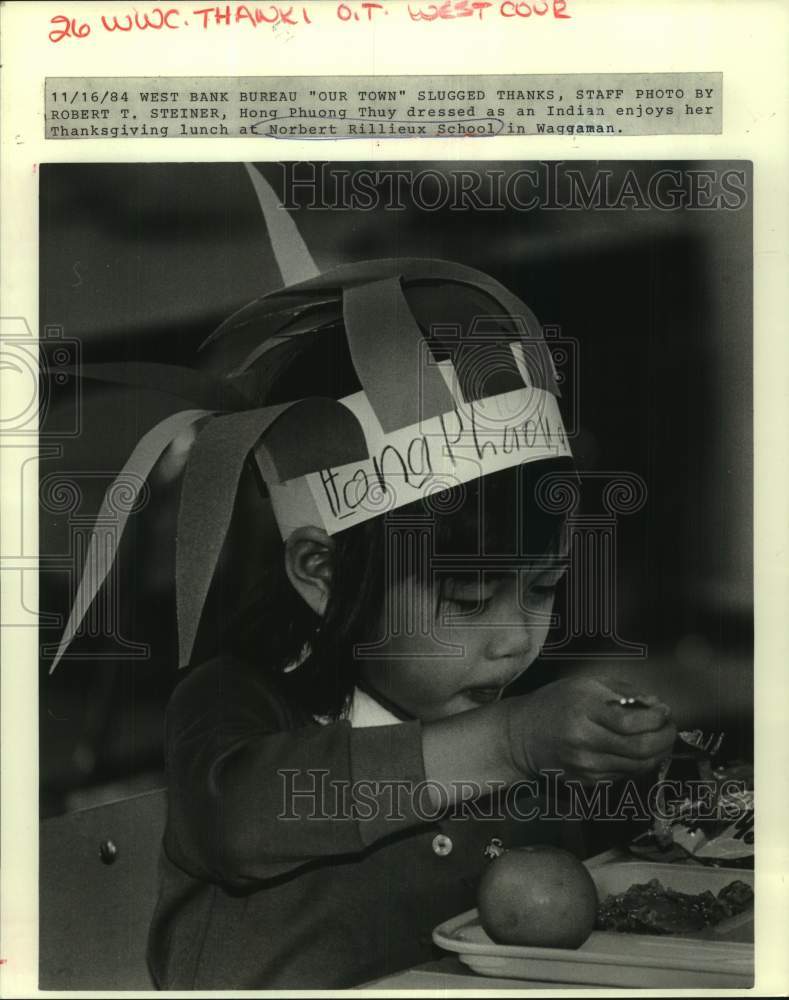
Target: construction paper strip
x: 117, y: 417
x: 315, y: 316
x: 330, y: 284
x: 540, y: 362
x: 445, y: 310
x: 411, y: 269
x: 253, y: 324
x: 469, y: 327
x: 306, y: 321
x: 315, y: 433
x: 100, y: 558
x: 293, y: 259
x: 363, y: 272
x: 522, y: 321
x: 259, y: 351
x: 413, y: 272
x: 265, y: 385
x: 391, y: 357
x: 229, y: 345
x: 208, y: 495
x: 291, y: 439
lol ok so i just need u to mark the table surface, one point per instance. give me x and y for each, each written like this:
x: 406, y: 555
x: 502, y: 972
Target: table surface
x: 450, y: 974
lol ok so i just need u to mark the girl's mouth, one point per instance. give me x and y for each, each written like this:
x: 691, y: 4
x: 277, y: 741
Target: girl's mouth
x: 483, y: 695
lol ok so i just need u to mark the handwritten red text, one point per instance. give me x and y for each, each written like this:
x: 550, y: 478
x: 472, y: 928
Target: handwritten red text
x: 167, y: 19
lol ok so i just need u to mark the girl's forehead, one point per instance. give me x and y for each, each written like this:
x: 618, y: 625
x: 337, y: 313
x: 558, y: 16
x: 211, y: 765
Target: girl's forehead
x: 555, y: 558
x: 503, y: 569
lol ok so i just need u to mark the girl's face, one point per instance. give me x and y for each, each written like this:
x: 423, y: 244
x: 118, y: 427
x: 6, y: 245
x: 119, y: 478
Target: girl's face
x: 457, y: 644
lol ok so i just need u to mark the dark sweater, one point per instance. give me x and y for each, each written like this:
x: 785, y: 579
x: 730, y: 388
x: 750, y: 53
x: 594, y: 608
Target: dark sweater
x: 252, y: 899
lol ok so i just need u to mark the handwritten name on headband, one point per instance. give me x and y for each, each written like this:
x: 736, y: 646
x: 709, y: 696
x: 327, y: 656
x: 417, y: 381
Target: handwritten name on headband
x: 472, y: 440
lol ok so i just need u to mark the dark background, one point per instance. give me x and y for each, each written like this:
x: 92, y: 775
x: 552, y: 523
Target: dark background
x: 142, y: 261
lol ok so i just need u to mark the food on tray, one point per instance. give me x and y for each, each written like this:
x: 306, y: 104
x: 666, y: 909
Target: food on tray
x: 651, y: 908
x: 539, y: 896
x: 708, y: 819
x: 723, y: 837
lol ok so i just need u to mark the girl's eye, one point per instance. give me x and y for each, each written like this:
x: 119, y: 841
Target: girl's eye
x: 467, y: 598
x: 467, y: 605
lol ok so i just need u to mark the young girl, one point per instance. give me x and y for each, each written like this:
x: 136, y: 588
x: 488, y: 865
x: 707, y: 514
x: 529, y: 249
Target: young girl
x: 336, y: 774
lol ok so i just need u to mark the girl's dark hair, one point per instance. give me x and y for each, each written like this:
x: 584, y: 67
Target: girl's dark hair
x: 496, y: 517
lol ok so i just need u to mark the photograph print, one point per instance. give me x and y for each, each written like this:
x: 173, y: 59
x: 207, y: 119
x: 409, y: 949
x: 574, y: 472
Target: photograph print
x: 396, y: 575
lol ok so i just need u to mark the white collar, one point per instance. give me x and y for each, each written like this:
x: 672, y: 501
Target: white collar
x: 362, y: 712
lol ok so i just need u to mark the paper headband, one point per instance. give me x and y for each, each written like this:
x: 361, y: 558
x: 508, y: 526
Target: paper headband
x: 439, y: 404
x: 393, y: 470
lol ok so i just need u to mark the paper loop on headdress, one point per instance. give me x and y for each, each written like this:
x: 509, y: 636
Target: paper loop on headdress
x: 344, y: 294
x: 391, y: 357
x: 100, y: 557
x: 323, y: 427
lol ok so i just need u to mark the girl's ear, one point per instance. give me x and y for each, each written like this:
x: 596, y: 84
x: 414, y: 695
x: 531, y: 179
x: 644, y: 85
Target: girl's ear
x: 309, y: 562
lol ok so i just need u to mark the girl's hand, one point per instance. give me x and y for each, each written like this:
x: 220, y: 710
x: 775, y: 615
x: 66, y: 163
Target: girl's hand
x: 578, y: 726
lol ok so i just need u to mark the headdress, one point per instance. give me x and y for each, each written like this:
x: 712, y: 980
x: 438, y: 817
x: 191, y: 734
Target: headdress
x: 438, y: 404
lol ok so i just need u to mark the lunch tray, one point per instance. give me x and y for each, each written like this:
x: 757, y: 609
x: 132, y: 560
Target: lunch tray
x: 610, y: 958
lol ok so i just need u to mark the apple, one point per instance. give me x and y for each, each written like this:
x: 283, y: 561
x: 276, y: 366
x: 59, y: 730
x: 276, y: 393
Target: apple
x: 539, y: 896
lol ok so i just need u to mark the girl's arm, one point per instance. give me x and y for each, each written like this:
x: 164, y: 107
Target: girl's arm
x: 251, y: 797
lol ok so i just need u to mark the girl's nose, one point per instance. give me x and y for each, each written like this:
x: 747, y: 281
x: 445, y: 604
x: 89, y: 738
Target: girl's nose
x: 510, y: 641
x: 519, y: 634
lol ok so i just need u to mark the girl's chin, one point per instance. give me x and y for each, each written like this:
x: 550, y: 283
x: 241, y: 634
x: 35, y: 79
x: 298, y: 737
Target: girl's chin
x: 463, y: 701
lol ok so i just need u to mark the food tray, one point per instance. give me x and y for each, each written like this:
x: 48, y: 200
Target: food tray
x: 609, y: 958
